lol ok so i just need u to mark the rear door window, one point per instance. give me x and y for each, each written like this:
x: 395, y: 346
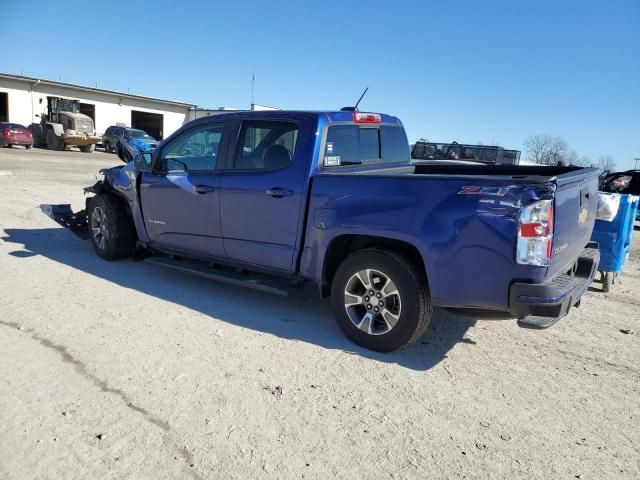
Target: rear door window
x: 356, y: 145
x: 266, y: 145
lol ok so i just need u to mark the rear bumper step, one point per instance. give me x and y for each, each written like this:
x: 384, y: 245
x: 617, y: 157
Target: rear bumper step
x: 542, y: 305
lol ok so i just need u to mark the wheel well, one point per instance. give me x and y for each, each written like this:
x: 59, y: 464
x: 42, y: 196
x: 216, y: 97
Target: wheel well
x: 100, y: 189
x: 343, y: 246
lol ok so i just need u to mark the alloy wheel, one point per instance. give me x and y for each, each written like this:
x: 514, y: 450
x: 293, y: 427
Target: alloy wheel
x: 99, y: 228
x: 372, y: 301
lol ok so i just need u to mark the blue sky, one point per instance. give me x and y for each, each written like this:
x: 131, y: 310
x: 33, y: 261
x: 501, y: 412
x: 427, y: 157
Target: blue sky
x: 490, y: 71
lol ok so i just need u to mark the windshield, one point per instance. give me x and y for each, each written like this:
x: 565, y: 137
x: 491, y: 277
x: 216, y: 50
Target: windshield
x: 139, y: 134
x: 358, y: 145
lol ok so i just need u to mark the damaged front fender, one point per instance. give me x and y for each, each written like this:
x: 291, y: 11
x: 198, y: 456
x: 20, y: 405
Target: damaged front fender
x: 121, y: 181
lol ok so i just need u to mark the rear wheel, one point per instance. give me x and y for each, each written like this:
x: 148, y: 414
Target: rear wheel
x: 380, y: 300
x: 53, y: 142
x: 88, y: 148
x: 29, y: 147
x: 112, y: 232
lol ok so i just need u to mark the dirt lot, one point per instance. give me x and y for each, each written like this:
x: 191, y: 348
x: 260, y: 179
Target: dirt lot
x: 127, y: 370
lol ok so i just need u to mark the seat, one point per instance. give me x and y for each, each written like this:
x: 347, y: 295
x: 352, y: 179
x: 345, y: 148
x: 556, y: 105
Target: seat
x: 276, y: 156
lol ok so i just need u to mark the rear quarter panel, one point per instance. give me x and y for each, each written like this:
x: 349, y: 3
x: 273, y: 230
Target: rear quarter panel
x: 467, y: 241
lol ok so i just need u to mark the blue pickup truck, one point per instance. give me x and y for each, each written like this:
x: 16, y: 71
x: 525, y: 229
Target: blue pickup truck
x: 333, y: 198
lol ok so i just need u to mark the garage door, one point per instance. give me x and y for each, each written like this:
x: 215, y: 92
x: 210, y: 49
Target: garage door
x: 4, y: 107
x: 152, y: 123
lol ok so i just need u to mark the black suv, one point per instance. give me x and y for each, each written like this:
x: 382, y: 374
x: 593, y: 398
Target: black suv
x: 114, y: 134
x: 622, y: 182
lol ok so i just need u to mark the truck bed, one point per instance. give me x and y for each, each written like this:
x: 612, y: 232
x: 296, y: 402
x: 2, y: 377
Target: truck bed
x: 516, y: 173
x: 463, y: 219
x: 530, y: 173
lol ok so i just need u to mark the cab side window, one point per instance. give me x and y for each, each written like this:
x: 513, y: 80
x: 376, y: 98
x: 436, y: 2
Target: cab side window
x: 266, y: 145
x: 194, y: 150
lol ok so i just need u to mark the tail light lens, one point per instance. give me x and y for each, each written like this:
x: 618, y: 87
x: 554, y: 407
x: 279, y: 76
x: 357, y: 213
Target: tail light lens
x: 535, y: 234
x: 6, y: 132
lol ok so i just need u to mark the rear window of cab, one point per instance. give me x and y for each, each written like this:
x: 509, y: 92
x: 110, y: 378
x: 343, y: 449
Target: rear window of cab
x: 348, y: 145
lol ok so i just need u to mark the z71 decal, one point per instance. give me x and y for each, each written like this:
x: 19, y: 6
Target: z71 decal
x: 478, y: 190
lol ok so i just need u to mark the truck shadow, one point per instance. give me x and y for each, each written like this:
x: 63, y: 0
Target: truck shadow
x: 302, y: 316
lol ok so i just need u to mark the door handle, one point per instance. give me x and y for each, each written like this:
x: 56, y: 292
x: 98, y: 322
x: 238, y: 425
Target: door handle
x: 278, y: 192
x: 203, y: 189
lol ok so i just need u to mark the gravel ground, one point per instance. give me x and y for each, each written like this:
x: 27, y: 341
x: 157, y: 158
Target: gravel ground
x: 128, y: 370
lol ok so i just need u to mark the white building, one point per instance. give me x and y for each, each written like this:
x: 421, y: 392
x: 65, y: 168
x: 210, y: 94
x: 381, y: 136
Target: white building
x: 199, y: 112
x: 22, y: 98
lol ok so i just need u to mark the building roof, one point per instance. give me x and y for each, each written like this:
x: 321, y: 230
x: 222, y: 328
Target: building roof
x: 91, y: 89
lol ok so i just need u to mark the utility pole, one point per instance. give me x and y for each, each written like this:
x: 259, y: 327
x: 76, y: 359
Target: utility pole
x: 253, y: 83
x: 636, y: 160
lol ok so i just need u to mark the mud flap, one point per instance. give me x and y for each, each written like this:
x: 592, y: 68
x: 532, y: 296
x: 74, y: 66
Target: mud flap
x: 63, y: 215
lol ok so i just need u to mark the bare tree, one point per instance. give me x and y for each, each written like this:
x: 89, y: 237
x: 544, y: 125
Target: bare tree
x: 572, y: 158
x: 584, y: 162
x: 606, y: 162
x: 546, y: 149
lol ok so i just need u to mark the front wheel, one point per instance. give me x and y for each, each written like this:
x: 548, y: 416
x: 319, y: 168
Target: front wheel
x: 88, y: 148
x: 112, y: 232
x: 381, y: 300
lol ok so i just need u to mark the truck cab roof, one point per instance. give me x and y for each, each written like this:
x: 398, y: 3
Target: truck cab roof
x: 330, y: 116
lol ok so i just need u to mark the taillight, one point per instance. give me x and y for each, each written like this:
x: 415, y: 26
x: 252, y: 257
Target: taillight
x: 535, y: 234
x: 6, y: 132
x: 361, y: 117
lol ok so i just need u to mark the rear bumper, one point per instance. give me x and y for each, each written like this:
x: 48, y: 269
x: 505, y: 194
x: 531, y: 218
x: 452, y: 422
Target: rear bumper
x: 543, y: 304
x: 15, y: 141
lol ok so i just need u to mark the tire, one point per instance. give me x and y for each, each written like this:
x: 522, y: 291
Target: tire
x: 111, y: 229
x: 53, y: 142
x: 607, y: 281
x: 28, y: 147
x: 396, y: 319
x: 87, y: 148
x: 107, y: 147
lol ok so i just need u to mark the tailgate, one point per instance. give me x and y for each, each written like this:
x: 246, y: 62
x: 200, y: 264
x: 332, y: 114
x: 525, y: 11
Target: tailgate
x: 576, y: 201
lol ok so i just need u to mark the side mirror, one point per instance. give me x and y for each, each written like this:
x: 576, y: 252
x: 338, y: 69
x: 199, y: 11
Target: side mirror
x: 36, y: 115
x: 142, y: 162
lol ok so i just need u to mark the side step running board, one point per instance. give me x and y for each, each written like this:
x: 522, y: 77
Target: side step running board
x: 203, y: 270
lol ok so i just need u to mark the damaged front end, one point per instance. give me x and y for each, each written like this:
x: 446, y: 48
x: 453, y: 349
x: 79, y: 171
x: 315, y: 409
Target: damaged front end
x: 63, y: 215
x: 112, y: 179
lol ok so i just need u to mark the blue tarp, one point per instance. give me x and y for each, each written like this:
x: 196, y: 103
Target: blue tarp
x: 614, y: 238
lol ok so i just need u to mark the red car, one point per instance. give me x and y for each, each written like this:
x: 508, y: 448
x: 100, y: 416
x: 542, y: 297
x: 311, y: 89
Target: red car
x: 15, y: 134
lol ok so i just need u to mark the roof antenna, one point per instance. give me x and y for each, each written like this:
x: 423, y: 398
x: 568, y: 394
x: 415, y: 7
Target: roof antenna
x: 355, y: 107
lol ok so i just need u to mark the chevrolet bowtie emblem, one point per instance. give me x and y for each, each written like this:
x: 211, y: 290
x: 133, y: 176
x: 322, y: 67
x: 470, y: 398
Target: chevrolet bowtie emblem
x: 584, y: 214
